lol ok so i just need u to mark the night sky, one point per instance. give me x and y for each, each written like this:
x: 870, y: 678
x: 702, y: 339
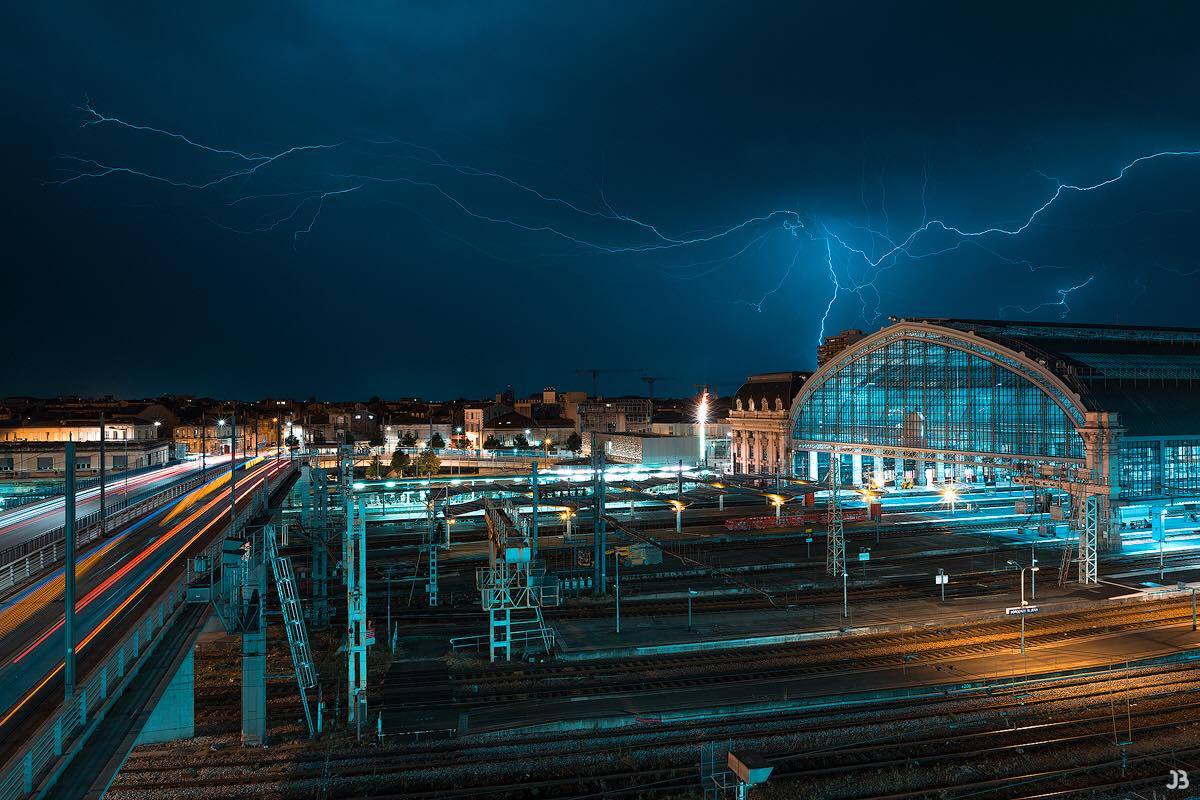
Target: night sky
x: 509, y: 191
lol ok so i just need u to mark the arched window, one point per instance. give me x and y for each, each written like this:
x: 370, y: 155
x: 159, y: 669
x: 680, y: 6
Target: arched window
x: 914, y: 393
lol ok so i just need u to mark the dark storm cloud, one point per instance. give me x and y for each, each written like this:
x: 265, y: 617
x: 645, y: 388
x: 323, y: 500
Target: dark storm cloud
x: 687, y: 115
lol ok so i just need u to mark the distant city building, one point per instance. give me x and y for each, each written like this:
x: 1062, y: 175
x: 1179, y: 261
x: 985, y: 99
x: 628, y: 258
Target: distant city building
x: 216, y: 438
x: 760, y: 423
x: 615, y: 415
x: 569, y: 403
x: 833, y: 345
x: 34, y: 449
x: 648, y: 449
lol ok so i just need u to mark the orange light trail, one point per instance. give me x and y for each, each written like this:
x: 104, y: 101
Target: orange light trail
x: 125, y: 570
x: 264, y: 474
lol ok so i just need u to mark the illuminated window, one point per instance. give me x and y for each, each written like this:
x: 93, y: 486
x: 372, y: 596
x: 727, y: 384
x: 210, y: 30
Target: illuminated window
x: 923, y: 395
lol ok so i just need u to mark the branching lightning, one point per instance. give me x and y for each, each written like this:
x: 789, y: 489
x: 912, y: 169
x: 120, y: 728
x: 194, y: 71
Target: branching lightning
x: 600, y: 228
x: 1063, y: 296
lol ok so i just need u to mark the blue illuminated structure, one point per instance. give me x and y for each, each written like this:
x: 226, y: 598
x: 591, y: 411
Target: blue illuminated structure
x: 1107, y: 414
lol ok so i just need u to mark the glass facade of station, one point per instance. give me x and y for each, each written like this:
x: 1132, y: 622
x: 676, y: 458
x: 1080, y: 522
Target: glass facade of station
x: 917, y: 394
x: 1158, y: 467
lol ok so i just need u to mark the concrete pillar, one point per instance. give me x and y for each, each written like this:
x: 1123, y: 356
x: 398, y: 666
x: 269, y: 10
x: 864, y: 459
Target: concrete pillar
x: 919, y: 476
x: 254, y: 688
x: 812, y: 466
x: 856, y: 469
x: 898, y: 466
x: 878, y: 469
x: 940, y: 467
x: 174, y: 717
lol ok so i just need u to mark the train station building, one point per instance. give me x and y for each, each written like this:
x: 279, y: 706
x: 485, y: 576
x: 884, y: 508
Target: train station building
x: 1108, y: 415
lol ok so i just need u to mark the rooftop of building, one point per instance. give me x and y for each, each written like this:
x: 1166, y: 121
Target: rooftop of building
x: 52, y: 420
x: 642, y: 435
x: 1149, y: 374
x: 771, y: 385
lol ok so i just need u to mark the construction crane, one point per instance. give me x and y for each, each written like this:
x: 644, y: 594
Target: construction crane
x: 595, y: 373
x: 650, y: 379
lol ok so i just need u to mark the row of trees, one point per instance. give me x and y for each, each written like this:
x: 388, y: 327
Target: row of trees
x: 402, y: 464
x: 574, y: 443
x: 427, y: 463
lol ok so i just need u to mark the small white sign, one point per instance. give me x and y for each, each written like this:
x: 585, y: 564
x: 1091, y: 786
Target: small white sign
x: 940, y: 579
x: 1017, y: 611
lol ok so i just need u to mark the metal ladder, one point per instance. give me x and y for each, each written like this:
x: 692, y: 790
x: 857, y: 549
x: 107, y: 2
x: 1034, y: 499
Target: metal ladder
x: 293, y: 621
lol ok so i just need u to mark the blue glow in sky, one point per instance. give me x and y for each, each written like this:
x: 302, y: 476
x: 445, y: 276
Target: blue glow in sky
x: 493, y: 195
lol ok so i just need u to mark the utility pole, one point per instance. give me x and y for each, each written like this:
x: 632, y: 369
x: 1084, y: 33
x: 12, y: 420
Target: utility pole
x: 69, y: 574
x: 233, y: 467
x: 203, y: 443
x: 356, y: 607
x: 533, y: 533
x: 599, y: 557
x: 103, y: 436
x: 617, y: 572
x: 835, y: 537
x: 845, y: 596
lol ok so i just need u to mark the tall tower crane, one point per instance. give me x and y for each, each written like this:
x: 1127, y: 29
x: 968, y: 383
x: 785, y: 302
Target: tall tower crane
x: 596, y: 372
x: 649, y: 381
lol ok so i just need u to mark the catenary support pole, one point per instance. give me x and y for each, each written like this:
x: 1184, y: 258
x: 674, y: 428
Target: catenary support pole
x: 233, y: 468
x: 617, y: 572
x: 103, y: 510
x: 69, y: 573
x: 533, y: 530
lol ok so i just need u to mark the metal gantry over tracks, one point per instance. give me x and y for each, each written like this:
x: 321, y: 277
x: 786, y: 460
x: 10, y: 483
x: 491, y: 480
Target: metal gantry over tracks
x: 514, y: 587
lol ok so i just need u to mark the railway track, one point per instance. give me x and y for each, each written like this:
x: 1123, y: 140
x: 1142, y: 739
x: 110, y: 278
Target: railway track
x: 556, y: 680
x: 1006, y: 733
x: 1142, y: 684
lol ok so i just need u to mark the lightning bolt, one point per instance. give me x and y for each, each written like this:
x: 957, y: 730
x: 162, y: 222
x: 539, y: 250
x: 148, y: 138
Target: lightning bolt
x: 600, y: 228
x: 1063, y: 295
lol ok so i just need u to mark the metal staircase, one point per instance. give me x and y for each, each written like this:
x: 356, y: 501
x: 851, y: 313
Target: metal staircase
x: 513, y: 588
x: 293, y: 621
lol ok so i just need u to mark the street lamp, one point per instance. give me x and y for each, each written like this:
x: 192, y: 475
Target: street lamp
x: 777, y: 501
x: 678, y: 506
x: 1023, y: 602
x: 1015, y: 565
x: 950, y: 495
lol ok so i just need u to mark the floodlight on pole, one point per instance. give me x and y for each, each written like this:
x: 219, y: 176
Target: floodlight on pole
x: 950, y: 496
